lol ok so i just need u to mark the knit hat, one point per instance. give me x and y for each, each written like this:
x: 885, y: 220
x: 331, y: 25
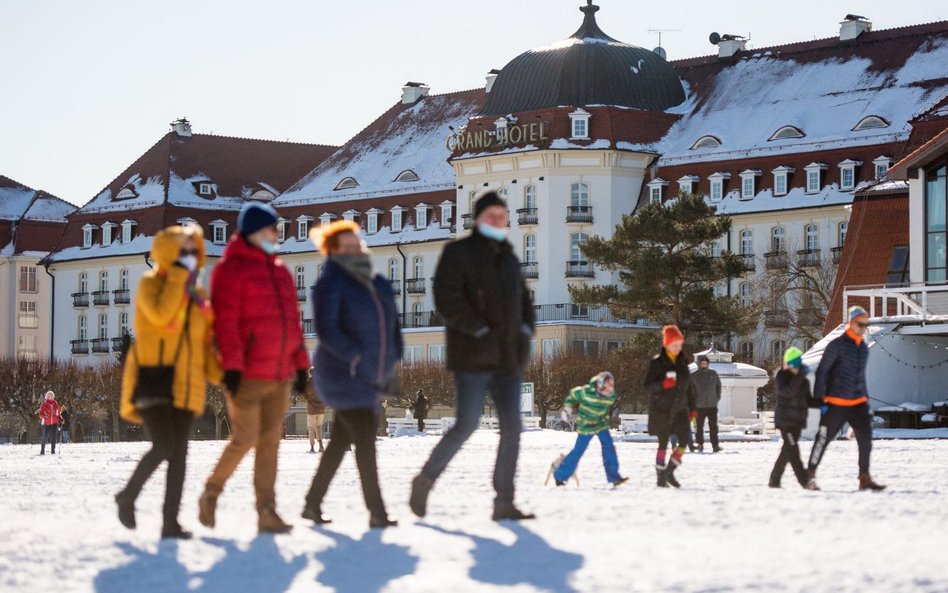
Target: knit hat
x: 600, y: 380
x: 486, y: 201
x: 670, y: 334
x: 793, y: 357
x: 703, y: 358
x: 255, y: 216
x: 855, y: 311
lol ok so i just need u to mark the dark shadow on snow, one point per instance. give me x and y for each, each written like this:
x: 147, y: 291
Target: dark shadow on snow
x: 529, y: 560
x: 365, y: 565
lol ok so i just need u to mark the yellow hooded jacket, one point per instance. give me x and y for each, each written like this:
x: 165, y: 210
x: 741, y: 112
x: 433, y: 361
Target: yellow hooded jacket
x: 160, y: 321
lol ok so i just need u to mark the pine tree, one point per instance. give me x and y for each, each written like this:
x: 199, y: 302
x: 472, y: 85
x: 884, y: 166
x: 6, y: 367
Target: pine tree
x: 663, y: 256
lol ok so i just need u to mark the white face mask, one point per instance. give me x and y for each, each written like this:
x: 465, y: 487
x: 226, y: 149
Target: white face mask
x: 492, y: 232
x: 268, y: 247
x: 188, y: 261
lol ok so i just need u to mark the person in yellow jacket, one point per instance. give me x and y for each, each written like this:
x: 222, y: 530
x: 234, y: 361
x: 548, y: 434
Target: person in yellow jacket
x: 172, y: 330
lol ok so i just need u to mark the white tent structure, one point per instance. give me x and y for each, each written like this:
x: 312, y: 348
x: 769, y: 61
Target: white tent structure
x: 739, y: 384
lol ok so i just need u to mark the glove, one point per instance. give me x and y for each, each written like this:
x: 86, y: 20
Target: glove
x: 824, y: 409
x: 232, y: 381
x: 669, y: 383
x: 566, y: 413
x: 300, y: 381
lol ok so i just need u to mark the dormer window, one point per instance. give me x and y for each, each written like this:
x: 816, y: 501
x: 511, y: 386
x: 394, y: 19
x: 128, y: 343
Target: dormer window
x: 447, y: 212
x: 350, y: 215
x: 847, y: 174
x: 205, y: 188
x: 262, y: 195
x: 881, y: 165
x: 281, y: 229
x: 372, y: 220
x: 579, y: 124
x: 814, y: 177
x: 107, y: 233
x: 870, y: 122
x: 302, y: 227
x: 421, y: 216
x: 126, y: 193
x: 717, y: 185
x: 706, y: 142
x: 397, y: 219
x: 686, y: 185
x: 218, y: 232
x: 656, y: 188
x: 187, y: 221
x: 87, y: 235
x: 787, y: 133
x: 326, y: 218
x: 500, y: 130
x: 749, y: 183
x: 347, y: 183
x: 781, y: 179
x: 128, y: 228
x: 407, y: 175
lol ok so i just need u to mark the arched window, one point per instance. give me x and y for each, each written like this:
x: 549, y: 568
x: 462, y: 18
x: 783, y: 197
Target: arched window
x: 745, y: 294
x: 747, y: 242
x: 811, y: 237
x: 394, y: 269
x: 777, y: 239
x: 83, y: 327
x: 300, y: 277
x: 407, y: 175
x: 576, y: 241
x: 103, y: 326
x: 786, y: 133
x: 347, y: 183
x: 530, y: 249
x: 104, y: 280
x: 83, y: 282
x: 123, y: 324
x: 706, y: 142
x: 870, y: 122
x: 502, y: 192
x: 419, y: 265
x: 777, y: 348
x: 123, y: 279
x: 843, y: 229
x: 579, y: 195
x: 746, y: 351
x: 530, y: 197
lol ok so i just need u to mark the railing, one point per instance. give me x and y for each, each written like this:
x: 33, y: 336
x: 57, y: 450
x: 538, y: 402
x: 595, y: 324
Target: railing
x: 80, y: 299
x: 301, y: 294
x: 415, y: 285
x: 808, y: 258
x: 776, y: 319
x: 309, y: 327
x: 775, y: 260
x: 579, y: 269
x: 117, y: 344
x: 837, y: 253
x: 579, y: 214
x: 79, y: 346
x: 527, y: 216
x: 750, y: 261
x: 396, y: 286
x: 542, y: 313
x: 929, y: 302
x: 531, y: 269
x: 467, y: 221
x: 100, y: 298
x: 100, y: 346
x: 811, y: 317
x: 422, y: 319
x: 122, y: 296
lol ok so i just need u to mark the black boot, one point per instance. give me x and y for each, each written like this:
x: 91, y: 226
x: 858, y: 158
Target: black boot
x: 670, y: 474
x: 420, y: 487
x: 381, y: 521
x: 175, y: 532
x: 126, y: 510
x: 315, y: 514
x: 508, y: 512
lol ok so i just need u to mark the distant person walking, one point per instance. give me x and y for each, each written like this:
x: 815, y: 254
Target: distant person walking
x: 420, y: 409
x: 480, y: 292
x: 64, y: 417
x: 707, y: 396
x: 262, y: 352
x: 360, y: 342
x: 167, y: 368
x: 793, y: 400
x: 315, y: 418
x: 49, y: 420
x: 841, y: 384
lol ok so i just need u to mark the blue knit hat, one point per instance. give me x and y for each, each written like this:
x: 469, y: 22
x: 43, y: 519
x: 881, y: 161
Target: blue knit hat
x: 855, y: 311
x: 255, y: 216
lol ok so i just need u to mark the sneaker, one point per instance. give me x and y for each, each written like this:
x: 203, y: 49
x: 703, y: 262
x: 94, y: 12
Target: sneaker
x: 420, y: 488
x: 774, y: 484
x: 716, y: 450
x: 811, y: 484
x: 620, y: 482
x: 126, y: 510
x: 381, y: 521
x: 560, y: 483
x: 207, y: 508
x: 508, y: 512
x: 269, y: 522
x: 315, y: 514
x: 175, y: 532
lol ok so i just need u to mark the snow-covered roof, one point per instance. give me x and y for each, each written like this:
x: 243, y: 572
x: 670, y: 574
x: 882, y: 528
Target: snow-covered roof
x: 766, y: 201
x: 15, y: 199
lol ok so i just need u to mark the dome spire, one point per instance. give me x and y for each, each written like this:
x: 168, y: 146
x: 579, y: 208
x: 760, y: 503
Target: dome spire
x: 590, y: 29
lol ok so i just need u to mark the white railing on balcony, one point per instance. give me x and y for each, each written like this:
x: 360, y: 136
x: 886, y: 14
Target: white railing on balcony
x: 927, y: 302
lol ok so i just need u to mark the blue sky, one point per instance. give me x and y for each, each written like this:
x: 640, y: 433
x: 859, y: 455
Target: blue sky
x: 89, y: 86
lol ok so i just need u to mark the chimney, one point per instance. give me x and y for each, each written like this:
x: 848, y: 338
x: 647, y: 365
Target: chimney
x: 730, y: 45
x: 852, y: 26
x: 412, y: 92
x: 181, y: 127
x: 491, y: 78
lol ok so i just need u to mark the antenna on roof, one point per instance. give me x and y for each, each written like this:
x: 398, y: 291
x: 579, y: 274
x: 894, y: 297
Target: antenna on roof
x: 714, y: 38
x: 659, y: 49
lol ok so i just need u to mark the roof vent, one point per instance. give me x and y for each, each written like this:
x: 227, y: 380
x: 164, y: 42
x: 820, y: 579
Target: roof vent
x: 491, y: 77
x: 412, y: 92
x: 852, y: 26
x: 728, y: 44
x: 181, y: 127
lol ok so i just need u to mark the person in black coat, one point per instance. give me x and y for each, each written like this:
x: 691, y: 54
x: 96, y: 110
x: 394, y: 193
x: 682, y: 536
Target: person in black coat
x: 793, y: 401
x: 480, y: 292
x: 671, y: 405
x: 420, y: 410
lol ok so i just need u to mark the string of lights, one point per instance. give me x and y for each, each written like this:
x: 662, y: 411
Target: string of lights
x: 916, y: 341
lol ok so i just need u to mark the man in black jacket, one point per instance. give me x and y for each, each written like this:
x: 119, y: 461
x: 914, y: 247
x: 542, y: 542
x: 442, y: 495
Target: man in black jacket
x: 480, y: 292
x: 707, y: 395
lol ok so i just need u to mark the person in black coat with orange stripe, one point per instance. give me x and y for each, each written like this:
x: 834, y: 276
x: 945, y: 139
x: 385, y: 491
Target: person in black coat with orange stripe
x: 793, y: 402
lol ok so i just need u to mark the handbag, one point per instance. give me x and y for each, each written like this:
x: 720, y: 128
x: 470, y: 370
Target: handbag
x: 154, y: 385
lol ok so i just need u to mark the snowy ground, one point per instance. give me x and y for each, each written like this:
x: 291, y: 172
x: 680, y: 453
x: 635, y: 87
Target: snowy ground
x: 724, y: 531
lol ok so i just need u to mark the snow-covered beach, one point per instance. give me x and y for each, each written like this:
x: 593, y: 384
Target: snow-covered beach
x: 724, y: 531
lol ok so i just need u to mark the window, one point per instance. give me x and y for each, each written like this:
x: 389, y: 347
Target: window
x: 372, y: 221
x: 396, y: 219
x: 394, y: 269
x: 586, y: 347
x: 281, y: 229
x: 656, y: 188
x: 414, y: 354
x: 83, y: 327
x: 349, y: 215
x: 577, y: 311
x: 219, y: 232
x: 747, y: 242
x: 302, y: 227
x: 881, y: 166
x: 706, y: 142
x: 407, y: 175
x: 436, y: 352
x: 786, y: 133
x: 843, y: 229
x: 530, y: 249
x: 346, y: 183
x: 551, y: 347
x: 898, y: 266
x: 530, y: 197
x: 936, y: 224
x: 27, y: 278
x: 715, y: 249
x: 746, y: 351
x: 205, y: 189
x: 123, y: 279
x: 125, y: 193
x: 814, y: 177
x: 187, y: 221
x: 811, y: 237
x: 418, y: 263
x: 579, y: 124
x: 107, y: 233
x: 870, y: 122
x: 26, y: 347
x: 87, y: 237
x: 128, y: 227
x: 104, y: 280
x: 744, y: 293
x: 613, y: 345
x: 27, y: 317
x: 717, y: 185
x: 576, y: 241
x: 579, y: 195
x: 686, y: 185
x: 417, y: 315
x: 421, y: 216
x: 103, y: 326
x: 325, y: 219
x: 781, y: 177
x: 83, y: 283
x: 749, y: 183
x: 847, y: 174
x: 777, y: 239
x: 777, y: 348
x: 447, y: 209
x: 300, y: 277
x: 123, y: 324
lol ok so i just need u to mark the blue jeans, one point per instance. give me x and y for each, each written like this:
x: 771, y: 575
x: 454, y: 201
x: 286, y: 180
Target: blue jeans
x: 471, y: 389
x: 609, y: 459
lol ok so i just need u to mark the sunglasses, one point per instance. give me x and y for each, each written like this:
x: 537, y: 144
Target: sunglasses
x: 189, y: 252
x: 861, y: 324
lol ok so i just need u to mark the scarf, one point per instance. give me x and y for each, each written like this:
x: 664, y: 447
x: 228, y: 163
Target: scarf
x: 358, y: 266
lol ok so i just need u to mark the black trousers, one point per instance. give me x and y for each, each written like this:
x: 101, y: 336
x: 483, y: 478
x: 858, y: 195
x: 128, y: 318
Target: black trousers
x: 350, y: 427
x: 168, y: 428
x: 789, y: 453
x: 49, y: 435
x: 859, y: 417
x: 421, y: 425
x: 711, y: 414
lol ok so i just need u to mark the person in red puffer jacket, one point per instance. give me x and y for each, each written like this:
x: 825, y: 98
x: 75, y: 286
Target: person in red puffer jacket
x: 257, y: 328
x: 49, y: 418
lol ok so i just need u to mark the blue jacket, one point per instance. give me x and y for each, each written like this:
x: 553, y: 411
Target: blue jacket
x: 842, y: 372
x: 360, y: 339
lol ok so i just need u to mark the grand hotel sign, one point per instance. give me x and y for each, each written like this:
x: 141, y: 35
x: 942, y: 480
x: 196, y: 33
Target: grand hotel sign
x: 515, y: 135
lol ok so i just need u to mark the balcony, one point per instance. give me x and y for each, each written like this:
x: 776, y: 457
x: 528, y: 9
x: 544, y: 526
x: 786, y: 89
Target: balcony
x: 531, y: 269
x: 579, y: 269
x: 750, y: 262
x: 808, y: 258
x: 579, y: 214
x: 122, y: 296
x: 527, y: 216
x: 301, y: 294
x: 396, y: 286
x: 80, y: 299
x: 574, y: 312
x: 100, y: 298
x: 422, y: 319
x: 415, y: 285
x: 80, y: 346
x: 776, y: 319
x: 775, y: 260
x: 100, y: 346
x: 811, y: 317
x: 837, y: 253
x: 467, y: 221
x: 309, y: 327
x: 118, y: 343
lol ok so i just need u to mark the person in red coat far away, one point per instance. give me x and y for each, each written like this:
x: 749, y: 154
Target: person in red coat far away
x: 257, y: 328
x: 49, y: 418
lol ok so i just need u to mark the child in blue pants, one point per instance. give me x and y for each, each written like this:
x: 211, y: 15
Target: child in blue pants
x: 590, y: 404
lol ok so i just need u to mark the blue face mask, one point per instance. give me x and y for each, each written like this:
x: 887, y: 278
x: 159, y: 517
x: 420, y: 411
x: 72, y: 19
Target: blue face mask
x: 268, y: 247
x: 492, y: 232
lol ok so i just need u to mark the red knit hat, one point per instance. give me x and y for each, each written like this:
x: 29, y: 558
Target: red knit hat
x: 671, y: 333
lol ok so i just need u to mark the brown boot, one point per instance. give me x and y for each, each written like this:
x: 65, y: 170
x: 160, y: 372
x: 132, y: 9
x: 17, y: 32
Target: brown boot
x: 270, y: 522
x: 866, y: 483
x: 811, y: 480
x: 207, y: 507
